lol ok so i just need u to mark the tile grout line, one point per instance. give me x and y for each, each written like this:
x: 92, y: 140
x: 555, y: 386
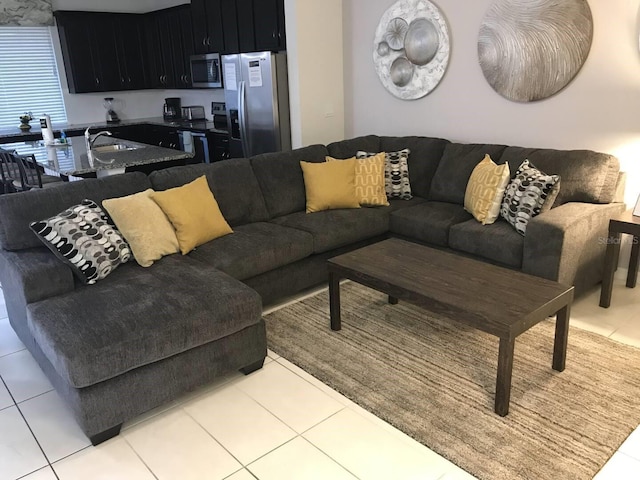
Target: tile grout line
x: 139, y: 457
x: 30, y: 430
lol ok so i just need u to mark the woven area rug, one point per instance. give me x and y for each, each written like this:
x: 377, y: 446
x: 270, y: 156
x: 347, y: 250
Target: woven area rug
x: 435, y: 381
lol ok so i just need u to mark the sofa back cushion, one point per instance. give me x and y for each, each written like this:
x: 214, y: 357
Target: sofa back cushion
x: 18, y: 210
x: 585, y: 175
x: 232, y: 182
x: 458, y: 161
x: 423, y: 160
x: 280, y: 178
x: 349, y: 148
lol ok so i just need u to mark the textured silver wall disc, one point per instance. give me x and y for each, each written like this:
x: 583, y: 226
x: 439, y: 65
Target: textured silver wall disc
x: 411, y: 48
x: 531, y: 49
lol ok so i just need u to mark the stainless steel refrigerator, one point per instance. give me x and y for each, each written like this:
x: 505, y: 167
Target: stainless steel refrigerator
x: 257, y: 98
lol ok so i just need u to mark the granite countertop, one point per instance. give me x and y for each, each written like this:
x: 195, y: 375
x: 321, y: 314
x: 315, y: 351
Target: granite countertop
x: 72, y: 159
x: 15, y: 134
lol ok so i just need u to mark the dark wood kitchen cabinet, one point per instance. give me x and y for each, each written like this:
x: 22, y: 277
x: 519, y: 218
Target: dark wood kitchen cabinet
x: 101, y: 51
x: 169, y: 44
x: 236, y: 26
x: 269, y: 27
x: 129, y: 48
x: 206, y: 16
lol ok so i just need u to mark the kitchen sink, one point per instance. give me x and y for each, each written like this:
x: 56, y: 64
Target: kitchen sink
x: 115, y: 147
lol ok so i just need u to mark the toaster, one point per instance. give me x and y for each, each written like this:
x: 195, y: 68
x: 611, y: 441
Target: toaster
x: 193, y: 112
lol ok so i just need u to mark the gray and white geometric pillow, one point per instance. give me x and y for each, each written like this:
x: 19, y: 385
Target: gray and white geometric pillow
x: 84, y: 238
x: 396, y: 173
x: 525, y: 195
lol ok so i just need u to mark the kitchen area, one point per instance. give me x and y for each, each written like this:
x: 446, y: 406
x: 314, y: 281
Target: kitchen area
x: 216, y: 71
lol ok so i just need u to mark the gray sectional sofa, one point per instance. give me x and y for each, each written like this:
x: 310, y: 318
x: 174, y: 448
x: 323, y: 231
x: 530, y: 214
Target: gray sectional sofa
x: 143, y: 336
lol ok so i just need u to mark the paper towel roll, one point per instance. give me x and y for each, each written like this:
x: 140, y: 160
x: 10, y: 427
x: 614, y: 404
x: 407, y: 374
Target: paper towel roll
x: 47, y: 130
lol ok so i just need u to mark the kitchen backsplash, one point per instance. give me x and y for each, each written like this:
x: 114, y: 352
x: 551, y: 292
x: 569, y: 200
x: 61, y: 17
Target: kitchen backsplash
x: 87, y: 107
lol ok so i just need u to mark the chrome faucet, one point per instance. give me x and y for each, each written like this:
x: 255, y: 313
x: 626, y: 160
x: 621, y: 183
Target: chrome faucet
x: 90, y: 139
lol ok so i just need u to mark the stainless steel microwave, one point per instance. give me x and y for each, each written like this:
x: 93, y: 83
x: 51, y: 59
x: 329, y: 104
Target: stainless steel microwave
x: 206, y: 71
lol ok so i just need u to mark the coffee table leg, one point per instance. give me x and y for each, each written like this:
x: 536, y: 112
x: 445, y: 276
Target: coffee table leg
x: 393, y: 300
x: 503, y: 382
x: 610, y: 263
x: 562, y: 335
x: 632, y: 274
x: 334, y: 301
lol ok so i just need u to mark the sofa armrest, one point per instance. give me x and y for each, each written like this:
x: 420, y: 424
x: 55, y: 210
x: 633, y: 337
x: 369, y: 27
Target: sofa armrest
x: 567, y: 243
x: 31, y: 275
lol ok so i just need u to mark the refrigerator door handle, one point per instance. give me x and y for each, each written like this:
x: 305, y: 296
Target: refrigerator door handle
x: 242, y: 107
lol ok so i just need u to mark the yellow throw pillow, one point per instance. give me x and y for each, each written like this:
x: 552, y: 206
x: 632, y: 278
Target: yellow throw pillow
x: 369, y: 180
x: 330, y: 185
x: 193, y: 212
x: 144, y: 225
x: 485, y: 190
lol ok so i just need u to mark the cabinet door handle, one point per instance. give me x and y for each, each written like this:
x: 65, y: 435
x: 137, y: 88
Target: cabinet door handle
x: 97, y: 81
x: 122, y: 80
x: 274, y: 34
x: 129, y: 79
x: 204, y: 40
x: 208, y: 42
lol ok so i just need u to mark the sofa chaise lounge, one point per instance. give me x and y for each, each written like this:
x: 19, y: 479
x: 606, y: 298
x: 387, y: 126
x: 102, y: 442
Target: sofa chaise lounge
x: 143, y: 336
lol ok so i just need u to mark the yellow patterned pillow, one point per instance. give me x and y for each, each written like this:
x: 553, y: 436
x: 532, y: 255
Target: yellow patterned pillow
x: 485, y: 189
x: 369, y: 180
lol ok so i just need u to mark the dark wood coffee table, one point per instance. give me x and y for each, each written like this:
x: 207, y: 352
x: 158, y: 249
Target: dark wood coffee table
x: 496, y: 300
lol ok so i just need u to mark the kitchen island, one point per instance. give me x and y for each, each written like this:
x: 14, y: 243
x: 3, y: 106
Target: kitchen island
x: 108, y: 156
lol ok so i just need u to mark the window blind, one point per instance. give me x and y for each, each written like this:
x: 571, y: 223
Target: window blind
x: 29, y: 80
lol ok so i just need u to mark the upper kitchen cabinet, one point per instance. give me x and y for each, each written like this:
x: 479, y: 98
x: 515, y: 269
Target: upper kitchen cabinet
x: 268, y: 27
x: 236, y: 26
x: 129, y: 48
x: 206, y: 18
x: 100, y: 52
x: 169, y: 43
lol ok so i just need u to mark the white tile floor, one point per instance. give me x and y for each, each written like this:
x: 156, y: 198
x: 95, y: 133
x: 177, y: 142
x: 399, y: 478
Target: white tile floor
x: 278, y: 423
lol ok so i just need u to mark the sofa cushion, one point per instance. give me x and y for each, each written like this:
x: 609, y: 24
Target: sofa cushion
x: 280, y: 177
x: 485, y: 190
x: 84, y: 238
x: 99, y: 332
x: 396, y: 172
x: 428, y: 222
x: 497, y: 242
x: 370, y: 181
x: 330, y: 185
x: 585, y: 175
x: 334, y: 228
x: 525, y: 195
x: 349, y: 148
x: 455, y: 167
x: 232, y: 182
x: 194, y: 213
x: 423, y: 160
x: 17, y: 211
x: 144, y: 225
x: 254, y: 249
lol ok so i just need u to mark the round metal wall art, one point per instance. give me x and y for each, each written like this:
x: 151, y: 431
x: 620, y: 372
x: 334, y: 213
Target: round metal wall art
x: 531, y: 49
x: 411, y: 48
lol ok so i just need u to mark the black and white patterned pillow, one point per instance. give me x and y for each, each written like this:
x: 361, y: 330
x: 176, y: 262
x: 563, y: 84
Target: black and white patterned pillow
x: 396, y: 173
x: 84, y: 238
x: 525, y: 195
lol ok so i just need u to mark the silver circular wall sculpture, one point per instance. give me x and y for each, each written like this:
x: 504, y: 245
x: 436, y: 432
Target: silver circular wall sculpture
x: 411, y: 48
x: 531, y: 49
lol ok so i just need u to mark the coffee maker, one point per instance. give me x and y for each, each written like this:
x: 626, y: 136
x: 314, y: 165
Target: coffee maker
x: 172, y: 108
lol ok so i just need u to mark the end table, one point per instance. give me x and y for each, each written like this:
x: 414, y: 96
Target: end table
x: 624, y: 223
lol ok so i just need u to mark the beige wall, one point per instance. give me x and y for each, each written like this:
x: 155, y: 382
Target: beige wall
x: 599, y: 110
x: 314, y: 53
